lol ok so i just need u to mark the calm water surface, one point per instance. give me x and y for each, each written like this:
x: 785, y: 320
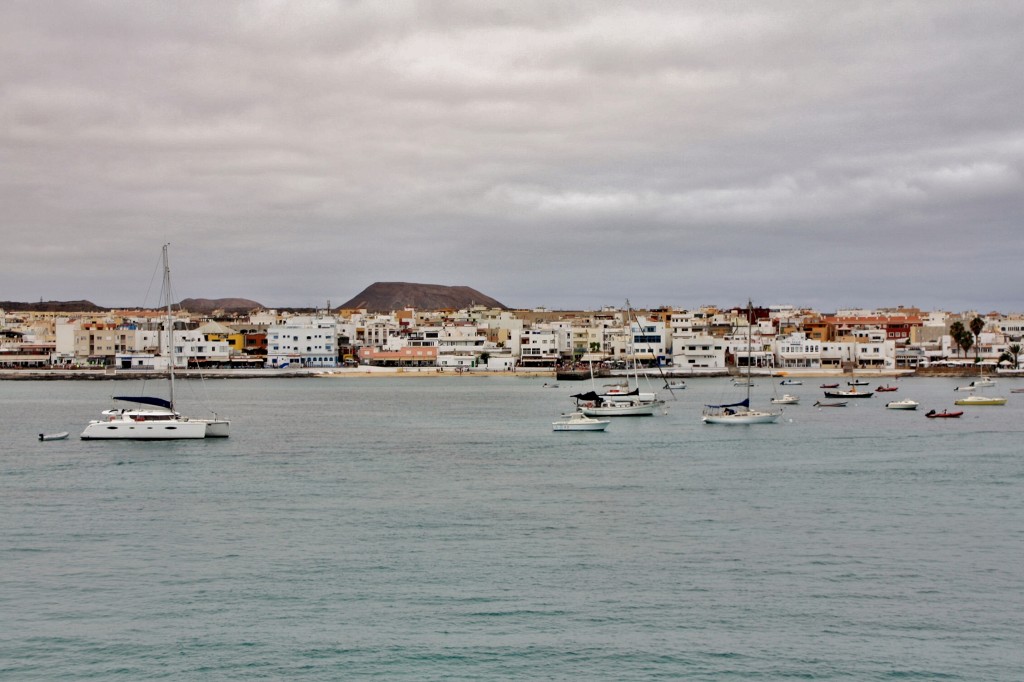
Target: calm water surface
x: 436, y: 528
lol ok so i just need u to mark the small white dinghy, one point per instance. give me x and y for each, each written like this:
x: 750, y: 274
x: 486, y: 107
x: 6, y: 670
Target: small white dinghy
x: 53, y: 436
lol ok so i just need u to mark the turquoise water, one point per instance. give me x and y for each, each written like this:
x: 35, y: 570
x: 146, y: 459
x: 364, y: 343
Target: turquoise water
x: 436, y: 528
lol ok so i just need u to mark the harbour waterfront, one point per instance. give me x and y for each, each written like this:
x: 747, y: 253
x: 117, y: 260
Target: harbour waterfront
x: 440, y: 530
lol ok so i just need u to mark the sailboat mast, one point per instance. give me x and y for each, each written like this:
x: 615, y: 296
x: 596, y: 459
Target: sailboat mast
x: 750, y: 318
x: 170, y: 325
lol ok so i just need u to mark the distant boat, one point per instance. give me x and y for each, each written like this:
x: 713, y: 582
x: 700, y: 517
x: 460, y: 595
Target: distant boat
x: 852, y: 393
x: 578, y: 421
x: 980, y: 400
x: 593, y: 404
x: 791, y: 382
x: 981, y: 383
x: 740, y: 412
x: 838, y: 403
x: 53, y: 436
x: 857, y: 382
x: 786, y: 399
x: 945, y: 414
x: 905, y: 404
x: 886, y: 389
x: 675, y: 385
x: 829, y: 386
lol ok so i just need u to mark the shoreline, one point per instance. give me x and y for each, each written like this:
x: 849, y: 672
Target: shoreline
x: 427, y: 372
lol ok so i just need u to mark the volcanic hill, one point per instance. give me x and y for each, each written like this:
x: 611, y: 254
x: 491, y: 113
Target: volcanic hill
x: 228, y: 305
x: 383, y: 297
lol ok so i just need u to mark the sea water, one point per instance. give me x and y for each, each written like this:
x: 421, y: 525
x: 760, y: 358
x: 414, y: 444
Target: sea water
x: 438, y: 529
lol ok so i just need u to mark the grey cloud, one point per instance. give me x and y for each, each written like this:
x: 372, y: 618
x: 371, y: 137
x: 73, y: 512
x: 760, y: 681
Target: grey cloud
x: 544, y: 153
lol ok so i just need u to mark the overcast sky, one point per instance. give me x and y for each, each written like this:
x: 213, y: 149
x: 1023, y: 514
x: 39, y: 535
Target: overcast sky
x: 562, y: 154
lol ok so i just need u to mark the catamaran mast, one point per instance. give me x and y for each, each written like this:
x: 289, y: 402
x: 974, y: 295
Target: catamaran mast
x: 170, y: 325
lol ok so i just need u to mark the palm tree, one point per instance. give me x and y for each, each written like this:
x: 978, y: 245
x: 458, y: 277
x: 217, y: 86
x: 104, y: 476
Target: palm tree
x: 1012, y: 354
x: 977, y: 324
x: 956, y: 332
x: 966, y: 340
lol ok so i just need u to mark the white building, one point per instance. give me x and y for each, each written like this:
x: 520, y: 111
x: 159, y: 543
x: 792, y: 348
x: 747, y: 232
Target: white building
x: 796, y: 350
x: 303, y: 342
x: 698, y: 352
x: 538, y: 347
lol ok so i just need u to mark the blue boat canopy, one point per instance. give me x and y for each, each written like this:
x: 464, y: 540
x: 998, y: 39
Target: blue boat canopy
x: 743, y: 403
x: 144, y: 400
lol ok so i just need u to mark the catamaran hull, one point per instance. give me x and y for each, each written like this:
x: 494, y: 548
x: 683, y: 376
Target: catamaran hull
x: 141, y: 430
x: 217, y: 428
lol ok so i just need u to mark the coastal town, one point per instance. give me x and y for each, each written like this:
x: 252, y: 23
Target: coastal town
x: 708, y: 340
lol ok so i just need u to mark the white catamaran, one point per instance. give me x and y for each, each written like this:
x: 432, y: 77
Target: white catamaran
x: 154, y: 418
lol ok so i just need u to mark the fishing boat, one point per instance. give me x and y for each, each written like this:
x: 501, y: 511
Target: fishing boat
x: 740, y: 412
x: 905, y: 404
x: 578, y: 421
x: 837, y: 403
x: 980, y: 400
x: 945, y: 414
x: 155, y: 418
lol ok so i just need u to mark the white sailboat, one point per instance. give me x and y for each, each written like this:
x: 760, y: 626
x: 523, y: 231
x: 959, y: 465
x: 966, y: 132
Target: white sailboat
x: 740, y: 412
x: 154, y: 418
x: 619, y: 400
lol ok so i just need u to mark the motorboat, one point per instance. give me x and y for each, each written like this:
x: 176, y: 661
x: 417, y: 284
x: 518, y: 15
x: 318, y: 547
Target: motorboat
x: 155, y: 418
x: 886, y: 389
x: 979, y: 400
x: 857, y: 382
x: 622, y: 392
x: 945, y: 414
x: 53, y: 436
x: 837, y: 403
x: 829, y: 386
x: 579, y: 421
x: 791, y: 382
x: 675, y: 385
x: 906, y: 404
x: 786, y: 399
